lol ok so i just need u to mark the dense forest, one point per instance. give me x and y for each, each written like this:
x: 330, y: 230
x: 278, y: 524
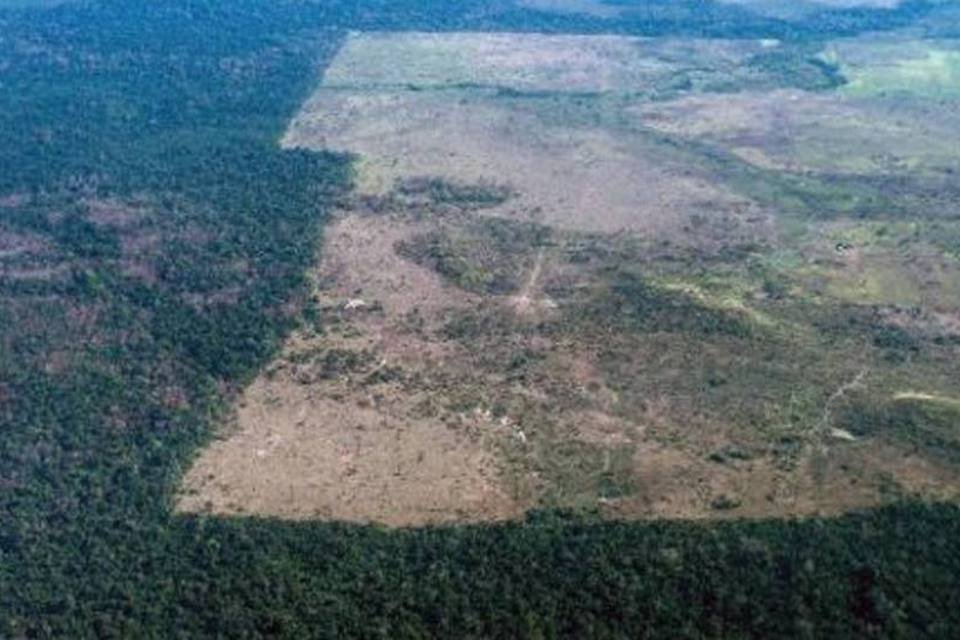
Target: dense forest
x: 154, y: 241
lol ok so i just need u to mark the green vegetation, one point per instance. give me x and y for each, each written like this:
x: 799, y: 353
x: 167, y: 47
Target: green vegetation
x: 924, y: 69
x: 644, y: 307
x: 926, y: 423
x: 797, y: 66
x: 492, y: 255
x: 123, y: 345
x: 441, y: 192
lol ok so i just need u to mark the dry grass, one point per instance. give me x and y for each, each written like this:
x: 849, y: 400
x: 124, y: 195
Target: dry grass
x: 26, y: 256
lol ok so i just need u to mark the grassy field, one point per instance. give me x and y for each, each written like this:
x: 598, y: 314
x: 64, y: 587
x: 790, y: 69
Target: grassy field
x: 898, y: 67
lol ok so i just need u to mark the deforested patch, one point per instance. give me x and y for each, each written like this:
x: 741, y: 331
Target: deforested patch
x: 573, y: 275
x: 343, y: 426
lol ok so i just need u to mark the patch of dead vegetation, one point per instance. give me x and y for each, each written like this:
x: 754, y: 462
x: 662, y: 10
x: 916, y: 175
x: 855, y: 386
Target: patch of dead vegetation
x: 13, y: 200
x: 673, y: 482
x: 324, y: 454
x: 30, y: 257
x: 925, y: 323
x: 530, y: 113
x: 116, y: 214
x: 14, y: 244
x: 529, y: 62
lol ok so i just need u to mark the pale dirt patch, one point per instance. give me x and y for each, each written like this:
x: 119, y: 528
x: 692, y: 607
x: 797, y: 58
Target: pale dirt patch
x: 604, y: 429
x: 579, y: 178
x: 528, y: 300
x: 115, y: 214
x: 298, y: 454
x: 19, y: 243
x: 914, y: 396
x: 13, y: 200
x: 360, y: 261
x: 36, y: 273
x: 344, y: 449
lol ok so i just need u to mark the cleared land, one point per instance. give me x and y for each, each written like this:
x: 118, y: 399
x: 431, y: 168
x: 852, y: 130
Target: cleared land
x: 586, y: 178
x: 339, y: 427
x: 890, y: 65
x: 803, y: 132
x: 800, y: 8
x: 563, y: 283
x: 525, y: 62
